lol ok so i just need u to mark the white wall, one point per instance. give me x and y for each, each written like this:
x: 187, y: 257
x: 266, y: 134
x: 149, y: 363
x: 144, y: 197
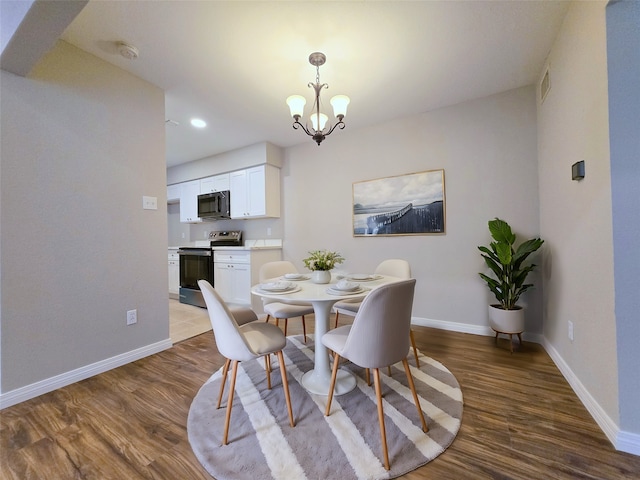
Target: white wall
x: 623, y: 61
x: 487, y: 149
x: 82, y: 142
x: 575, y: 217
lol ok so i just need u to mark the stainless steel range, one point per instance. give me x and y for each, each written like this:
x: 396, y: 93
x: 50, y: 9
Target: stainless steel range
x: 196, y: 263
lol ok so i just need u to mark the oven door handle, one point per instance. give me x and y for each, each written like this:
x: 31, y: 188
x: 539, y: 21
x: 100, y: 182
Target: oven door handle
x: 195, y: 253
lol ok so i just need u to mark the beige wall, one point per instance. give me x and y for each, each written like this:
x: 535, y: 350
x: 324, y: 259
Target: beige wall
x: 82, y: 142
x: 575, y: 217
x: 487, y: 149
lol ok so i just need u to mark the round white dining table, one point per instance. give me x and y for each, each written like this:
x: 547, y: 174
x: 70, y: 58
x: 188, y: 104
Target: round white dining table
x: 318, y: 380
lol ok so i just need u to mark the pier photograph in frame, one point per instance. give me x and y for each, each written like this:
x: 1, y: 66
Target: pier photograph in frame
x: 411, y: 204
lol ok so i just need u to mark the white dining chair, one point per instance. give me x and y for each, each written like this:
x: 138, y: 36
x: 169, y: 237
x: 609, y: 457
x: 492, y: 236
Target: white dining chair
x: 394, y: 267
x: 378, y: 337
x: 238, y: 343
x: 279, y: 310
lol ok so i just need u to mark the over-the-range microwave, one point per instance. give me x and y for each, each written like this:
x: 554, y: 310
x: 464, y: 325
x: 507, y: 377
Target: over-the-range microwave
x: 216, y: 205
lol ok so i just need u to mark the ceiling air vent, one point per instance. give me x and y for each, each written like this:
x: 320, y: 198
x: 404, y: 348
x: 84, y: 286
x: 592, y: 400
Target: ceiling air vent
x: 544, y: 85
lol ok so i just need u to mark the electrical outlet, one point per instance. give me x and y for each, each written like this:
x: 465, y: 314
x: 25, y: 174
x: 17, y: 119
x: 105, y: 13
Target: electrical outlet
x: 571, y: 331
x: 132, y: 317
x: 268, y: 231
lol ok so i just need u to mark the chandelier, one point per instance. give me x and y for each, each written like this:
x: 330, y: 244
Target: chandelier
x: 318, y: 120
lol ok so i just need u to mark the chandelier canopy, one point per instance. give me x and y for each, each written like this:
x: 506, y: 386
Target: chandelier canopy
x: 318, y: 120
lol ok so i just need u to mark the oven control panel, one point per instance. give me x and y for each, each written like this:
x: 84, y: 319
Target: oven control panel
x: 230, y: 238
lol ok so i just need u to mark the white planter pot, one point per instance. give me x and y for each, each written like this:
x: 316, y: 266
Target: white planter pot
x: 321, y: 276
x: 506, y: 321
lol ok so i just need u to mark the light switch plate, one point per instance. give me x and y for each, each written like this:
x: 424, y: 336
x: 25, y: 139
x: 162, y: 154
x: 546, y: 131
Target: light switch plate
x: 150, y: 203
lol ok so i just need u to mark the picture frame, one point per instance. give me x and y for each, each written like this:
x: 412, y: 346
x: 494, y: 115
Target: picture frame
x: 409, y: 204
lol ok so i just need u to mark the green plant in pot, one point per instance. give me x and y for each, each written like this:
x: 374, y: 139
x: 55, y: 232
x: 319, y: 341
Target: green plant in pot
x: 507, y: 263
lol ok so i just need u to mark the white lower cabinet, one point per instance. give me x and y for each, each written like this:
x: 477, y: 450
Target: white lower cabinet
x: 174, y: 273
x: 236, y: 271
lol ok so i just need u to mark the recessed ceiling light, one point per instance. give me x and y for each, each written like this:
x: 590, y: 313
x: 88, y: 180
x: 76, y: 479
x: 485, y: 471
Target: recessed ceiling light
x: 198, y: 123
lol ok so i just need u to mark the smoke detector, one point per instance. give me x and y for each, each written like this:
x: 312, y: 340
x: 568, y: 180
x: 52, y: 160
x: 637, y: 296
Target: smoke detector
x: 127, y: 51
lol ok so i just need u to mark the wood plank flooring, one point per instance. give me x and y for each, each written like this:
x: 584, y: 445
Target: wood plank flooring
x: 521, y: 419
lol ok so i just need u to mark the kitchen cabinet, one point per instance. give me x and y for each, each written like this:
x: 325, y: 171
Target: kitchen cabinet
x: 232, y: 279
x: 217, y: 183
x: 189, y: 192
x: 255, y: 192
x: 174, y: 273
x: 173, y: 193
x: 237, y: 269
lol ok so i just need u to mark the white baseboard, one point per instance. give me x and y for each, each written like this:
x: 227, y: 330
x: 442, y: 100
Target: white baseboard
x: 484, y: 330
x: 28, y: 392
x: 628, y: 442
x: 623, y: 441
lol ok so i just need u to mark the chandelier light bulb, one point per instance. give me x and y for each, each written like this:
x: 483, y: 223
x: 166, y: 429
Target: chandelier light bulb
x: 296, y: 105
x: 339, y: 104
x: 323, y: 121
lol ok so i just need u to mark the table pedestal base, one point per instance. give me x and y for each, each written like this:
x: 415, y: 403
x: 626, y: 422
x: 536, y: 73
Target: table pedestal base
x: 318, y: 383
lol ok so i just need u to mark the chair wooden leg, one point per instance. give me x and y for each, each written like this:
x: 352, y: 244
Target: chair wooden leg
x: 304, y: 329
x: 367, y: 376
x: 389, y: 369
x: 383, y: 432
x: 267, y: 367
x: 286, y: 322
x: 232, y: 388
x: 334, y: 374
x: 225, y: 370
x: 415, y: 350
x: 497, y: 333
x: 337, y: 315
x: 415, y: 395
x: 285, y: 385
x: 267, y: 319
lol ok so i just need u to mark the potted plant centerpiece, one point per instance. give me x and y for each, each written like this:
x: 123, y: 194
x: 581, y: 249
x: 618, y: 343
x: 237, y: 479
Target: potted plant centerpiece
x: 508, y: 265
x: 321, y: 262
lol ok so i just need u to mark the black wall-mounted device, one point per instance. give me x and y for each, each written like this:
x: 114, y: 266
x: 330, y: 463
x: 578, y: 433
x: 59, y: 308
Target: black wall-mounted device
x: 577, y: 170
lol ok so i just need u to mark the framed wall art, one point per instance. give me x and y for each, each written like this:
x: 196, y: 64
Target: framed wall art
x: 411, y: 204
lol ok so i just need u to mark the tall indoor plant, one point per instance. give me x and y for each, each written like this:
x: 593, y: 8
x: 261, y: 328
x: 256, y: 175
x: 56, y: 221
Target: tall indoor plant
x: 507, y: 263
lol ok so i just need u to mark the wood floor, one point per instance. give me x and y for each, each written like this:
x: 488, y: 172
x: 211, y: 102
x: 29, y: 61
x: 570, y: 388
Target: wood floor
x: 521, y: 419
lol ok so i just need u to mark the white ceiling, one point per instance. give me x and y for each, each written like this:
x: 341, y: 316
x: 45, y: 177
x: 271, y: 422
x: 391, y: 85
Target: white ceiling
x: 234, y: 63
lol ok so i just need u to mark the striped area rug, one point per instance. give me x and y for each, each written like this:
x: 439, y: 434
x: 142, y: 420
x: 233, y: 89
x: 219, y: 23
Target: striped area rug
x: 345, y: 445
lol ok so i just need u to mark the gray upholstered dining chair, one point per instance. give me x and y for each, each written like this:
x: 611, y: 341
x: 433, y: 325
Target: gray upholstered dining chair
x: 394, y: 267
x: 378, y: 337
x: 240, y: 343
x: 279, y: 310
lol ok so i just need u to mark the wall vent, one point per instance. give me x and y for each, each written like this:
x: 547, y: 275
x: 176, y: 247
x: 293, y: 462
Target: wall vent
x: 544, y: 85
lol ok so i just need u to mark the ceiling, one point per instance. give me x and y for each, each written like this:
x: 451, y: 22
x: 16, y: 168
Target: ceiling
x: 234, y: 63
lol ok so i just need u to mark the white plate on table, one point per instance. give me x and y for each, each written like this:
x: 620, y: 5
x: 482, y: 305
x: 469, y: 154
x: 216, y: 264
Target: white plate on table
x: 363, y: 277
x: 292, y: 289
x: 333, y: 291
x: 295, y: 277
x: 278, y: 286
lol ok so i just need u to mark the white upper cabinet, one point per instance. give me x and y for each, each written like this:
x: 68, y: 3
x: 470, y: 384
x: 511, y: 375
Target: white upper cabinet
x: 173, y: 193
x: 255, y: 192
x: 189, y: 192
x: 217, y: 183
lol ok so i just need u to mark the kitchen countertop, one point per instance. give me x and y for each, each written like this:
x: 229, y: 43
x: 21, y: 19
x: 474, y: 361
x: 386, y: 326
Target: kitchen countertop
x: 261, y: 244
